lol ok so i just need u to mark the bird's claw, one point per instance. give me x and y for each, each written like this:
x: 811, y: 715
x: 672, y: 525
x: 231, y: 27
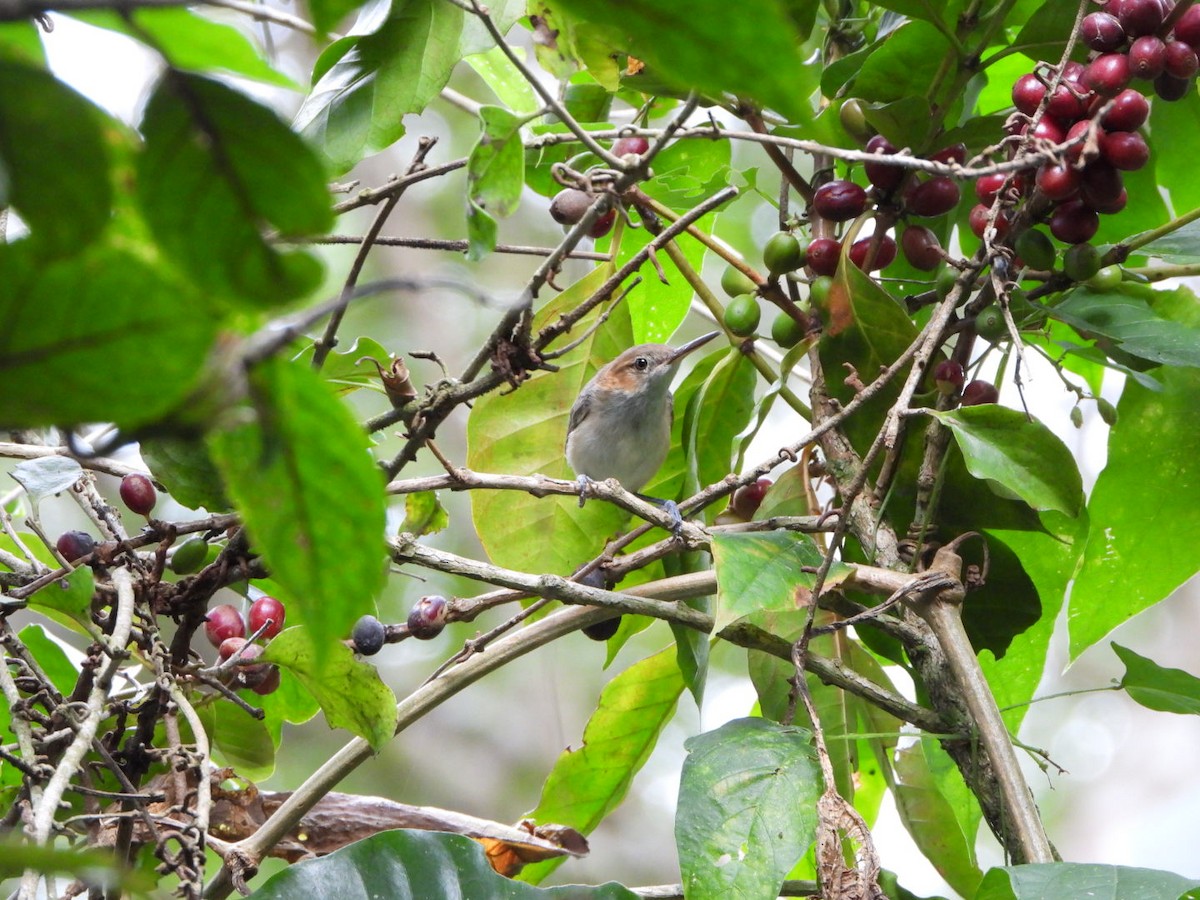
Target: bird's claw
x: 583, y: 481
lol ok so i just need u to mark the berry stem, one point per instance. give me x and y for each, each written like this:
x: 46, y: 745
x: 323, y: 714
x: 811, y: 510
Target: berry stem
x: 1120, y: 252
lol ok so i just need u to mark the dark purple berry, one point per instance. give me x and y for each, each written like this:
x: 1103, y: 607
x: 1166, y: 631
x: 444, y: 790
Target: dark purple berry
x: 840, y: 201
x: 823, y: 255
x: 949, y: 376
x: 883, y: 255
x: 1058, y: 182
x: 1147, y: 57
x: 934, y: 197
x: 1102, y: 31
x: 1125, y: 150
x: 921, y: 248
x: 1170, y: 88
x: 73, y: 545
x: 427, y: 618
x: 1074, y: 223
x: 979, y: 392
x: 368, y: 635
x: 1027, y: 93
x: 885, y: 178
x: 630, y: 145
x: 1181, y: 60
x: 1108, y: 74
x: 1128, y: 111
x: 602, y: 631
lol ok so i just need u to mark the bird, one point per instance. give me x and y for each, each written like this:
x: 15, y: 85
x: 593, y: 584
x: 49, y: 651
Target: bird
x: 620, y: 425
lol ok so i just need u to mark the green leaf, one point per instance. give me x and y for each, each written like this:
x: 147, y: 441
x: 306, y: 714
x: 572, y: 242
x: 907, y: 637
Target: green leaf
x: 415, y: 865
x: 46, y: 477
x: 326, y: 14
x: 398, y: 56
x: 192, y: 42
x: 1157, y: 687
x: 904, y: 64
x: 291, y: 703
x: 311, y: 498
x: 1171, y: 126
x: 1179, y: 246
x: 50, y: 655
x: 747, y: 808
x: 22, y: 42
x: 1132, y: 324
x: 906, y: 122
x: 698, y: 45
x: 719, y: 411
x: 1127, y: 566
x: 102, y: 311
x: 928, y: 816
x: 424, y: 514
x: 686, y: 172
x: 761, y: 571
x: 42, y: 124
x: 524, y: 433
x: 353, y: 368
x: 71, y: 595
x: 239, y: 740
x: 1021, y: 455
x: 495, y: 174
x: 505, y: 80
x: 657, y: 309
x: 350, y: 691
x: 1091, y: 880
x: 217, y: 166
x: 588, y: 783
x: 185, y: 468
x: 1045, y: 32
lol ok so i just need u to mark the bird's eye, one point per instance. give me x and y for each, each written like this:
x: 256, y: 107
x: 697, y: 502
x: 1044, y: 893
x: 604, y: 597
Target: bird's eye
x: 641, y: 364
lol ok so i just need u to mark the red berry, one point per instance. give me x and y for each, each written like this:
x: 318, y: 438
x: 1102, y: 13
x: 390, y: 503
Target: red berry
x: 1147, y: 57
x: 427, y: 618
x: 1102, y: 31
x: 368, y: 635
x: 823, y: 255
x: 955, y: 153
x: 1140, y: 17
x: 949, y: 376
x: 987, y: 187
x: 885, y: 178
x: 223, y: 622
x: 269, y: 683
x: 1170, y: 88
x: 979, y: 218
x: 250, y: 674
x: 1108, y: 74
x: 1187, y: 28
x: 1128, y: 111
x: 230, y: 646
x: 603, y: 225
x: 884, y: 255
x: 978, y: 392
x: 1102, y: 183
x: 1126, y: 150
x: 1065, y: 105
x: 261, y: 610
x: 1111, y: 206
x: 137, y: 492
x: 840, y: 201
x: 1048, y: 130
x: 627, y: 145
x: 921, y: 248
x: 1078, y: 130
x: 1074, y: 223
x: 569, y: 205
x: 1027, y: 93
x: 1072, y: 73
x: 747, y: 499
x: 1058, y: 182
x: 934, y: 197
x: 1181, y: 60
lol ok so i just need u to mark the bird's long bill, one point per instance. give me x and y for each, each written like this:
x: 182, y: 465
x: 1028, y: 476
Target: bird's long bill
x: 680, y: 352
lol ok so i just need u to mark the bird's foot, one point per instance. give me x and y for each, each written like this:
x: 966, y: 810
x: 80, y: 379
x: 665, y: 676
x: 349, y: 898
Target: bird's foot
x: 583, y: 481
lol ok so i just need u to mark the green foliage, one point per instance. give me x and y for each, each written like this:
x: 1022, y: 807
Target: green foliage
x: 415, y: 865
x: 746, y: 808
x: 321, y: 535
x: 588, y: 783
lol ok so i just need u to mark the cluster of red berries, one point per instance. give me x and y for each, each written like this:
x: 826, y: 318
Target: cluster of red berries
x: 915, y: 195
x: 570, y: 204
x: 1129, y: 42
x: 228, y: 632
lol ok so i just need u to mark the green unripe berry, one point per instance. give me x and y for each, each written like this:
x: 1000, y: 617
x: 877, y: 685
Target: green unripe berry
x: 735, y: 282
x: 783, y: 254
x: 1106, y: 279
x: 990, y: 324
x: 1107, y: 411
x: 786, y: 331
x: 1036, y: 250
x: 1076, y: 416
x: 189, y: 556
x: 818, y: 291
x: 1081, y: 262
x: 854, y: 121
x: 945, y: 279
x: 742, y: 315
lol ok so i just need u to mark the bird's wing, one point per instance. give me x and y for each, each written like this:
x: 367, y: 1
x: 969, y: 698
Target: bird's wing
x: 579, y: 412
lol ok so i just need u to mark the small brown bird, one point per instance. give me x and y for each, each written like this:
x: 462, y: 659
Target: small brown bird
x: 621, y: 423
